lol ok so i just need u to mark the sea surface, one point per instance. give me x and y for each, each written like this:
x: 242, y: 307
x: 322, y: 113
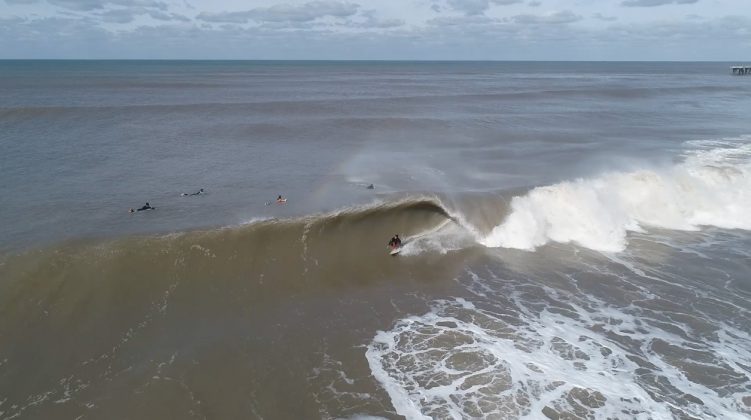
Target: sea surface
x: 577, y: 240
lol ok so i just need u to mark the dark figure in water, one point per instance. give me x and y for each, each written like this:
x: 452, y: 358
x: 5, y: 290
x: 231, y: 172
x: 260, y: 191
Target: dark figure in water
x: 195, y: 193
x: 395, y: 242
x: 146, y: 207
x: 370, y: 187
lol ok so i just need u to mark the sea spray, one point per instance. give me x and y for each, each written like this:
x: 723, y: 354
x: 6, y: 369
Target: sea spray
x: 711, y: 187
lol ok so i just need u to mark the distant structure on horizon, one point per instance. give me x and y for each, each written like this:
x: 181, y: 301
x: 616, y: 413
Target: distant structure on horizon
x: 741, y: 70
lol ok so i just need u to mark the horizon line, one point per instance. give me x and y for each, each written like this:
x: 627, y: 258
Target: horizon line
x: 375, y: 60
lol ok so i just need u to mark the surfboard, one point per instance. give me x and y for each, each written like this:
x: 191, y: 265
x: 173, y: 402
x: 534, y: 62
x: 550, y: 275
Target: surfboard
x: 132, y: 211
x: 395, y: 251
x: 279, y: 202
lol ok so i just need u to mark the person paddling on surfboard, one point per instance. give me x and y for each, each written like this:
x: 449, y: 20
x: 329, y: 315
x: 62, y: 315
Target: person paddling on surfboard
x: 279, y: 200
x: 146, y: 207
x: 195, y: 193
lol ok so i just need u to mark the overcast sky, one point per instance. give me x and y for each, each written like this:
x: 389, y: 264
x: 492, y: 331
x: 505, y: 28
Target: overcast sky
x: 378, y: 29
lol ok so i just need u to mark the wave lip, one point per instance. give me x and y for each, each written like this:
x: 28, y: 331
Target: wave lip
x: 711, y: 187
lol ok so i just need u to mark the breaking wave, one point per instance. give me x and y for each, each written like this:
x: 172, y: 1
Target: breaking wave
x: 711, y: 187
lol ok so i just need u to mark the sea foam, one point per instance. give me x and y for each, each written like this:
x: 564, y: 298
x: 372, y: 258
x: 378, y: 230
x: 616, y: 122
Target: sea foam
x: 459, y: 361
x: 710, y: 187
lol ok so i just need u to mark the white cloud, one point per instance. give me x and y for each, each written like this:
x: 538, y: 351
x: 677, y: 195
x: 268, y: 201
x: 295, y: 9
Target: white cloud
x: 101, y: 4
x: 653, y: 3
x: 123, y: 15
x: 376, y: 29
x: 476, y: 7
x: 565, y: 16
x: 285, y: 13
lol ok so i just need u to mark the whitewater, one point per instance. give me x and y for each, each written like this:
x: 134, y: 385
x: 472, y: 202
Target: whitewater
x: 711, y: 187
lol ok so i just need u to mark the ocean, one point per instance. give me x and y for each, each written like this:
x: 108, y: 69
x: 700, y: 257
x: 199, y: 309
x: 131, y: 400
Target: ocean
x: 576, y: 236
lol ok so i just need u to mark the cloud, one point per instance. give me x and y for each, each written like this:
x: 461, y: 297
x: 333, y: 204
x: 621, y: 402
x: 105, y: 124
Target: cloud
x: 534, y: 4
x: 168, y: 16
x: 464, y: 22
x: 600, y: 16
x: 347, y: 29
x: 563, y: 17
x: 226, y: 17
x: 307, y: 12
x: 470, y: 7
x: 118, y: 16
x: 54, y: 37
x: 718, y: 30
x: 88, y: 5
x: 124, y: 15
x: 81, y: 5
x: 653, y: 3
x: 371, y: 20
x: 477, y: 7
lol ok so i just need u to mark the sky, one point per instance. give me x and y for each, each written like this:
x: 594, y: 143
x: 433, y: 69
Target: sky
x: 683, y: 30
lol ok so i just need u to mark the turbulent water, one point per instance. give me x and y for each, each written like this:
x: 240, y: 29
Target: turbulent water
x: 576, y: 240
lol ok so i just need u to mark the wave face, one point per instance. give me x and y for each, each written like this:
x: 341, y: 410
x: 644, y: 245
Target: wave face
x: 712, y: 187
x: 186, y: 324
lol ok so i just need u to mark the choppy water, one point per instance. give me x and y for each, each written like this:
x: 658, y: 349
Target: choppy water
x: 577, y: 240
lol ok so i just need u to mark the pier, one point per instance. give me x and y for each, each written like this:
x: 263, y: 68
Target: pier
x: 741, y: 70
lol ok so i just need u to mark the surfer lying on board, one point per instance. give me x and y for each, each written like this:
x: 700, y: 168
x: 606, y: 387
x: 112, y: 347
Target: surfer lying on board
x: 146, y: 207
x: 279, y: 200
x: 195, y: 193
x: 395, y: 242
